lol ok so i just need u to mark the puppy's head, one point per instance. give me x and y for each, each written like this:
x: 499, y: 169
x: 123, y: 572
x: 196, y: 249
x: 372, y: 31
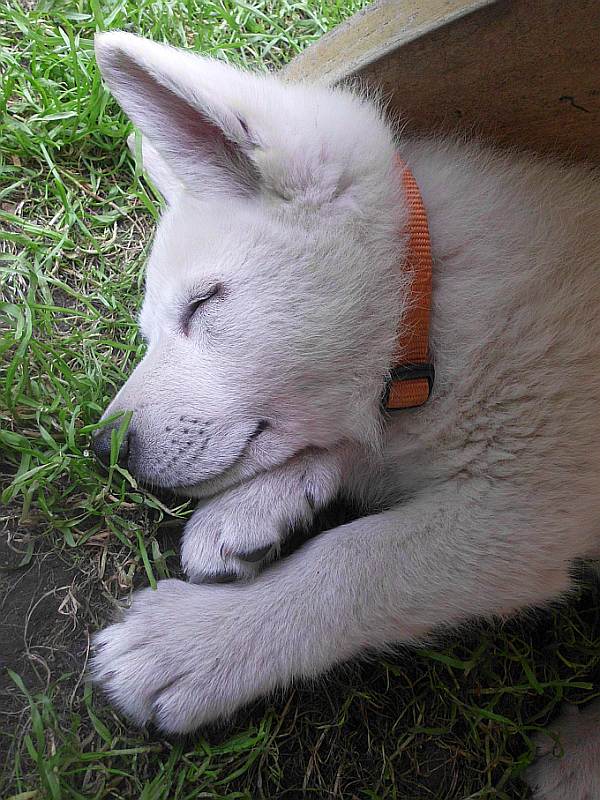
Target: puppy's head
x: 272, y: 291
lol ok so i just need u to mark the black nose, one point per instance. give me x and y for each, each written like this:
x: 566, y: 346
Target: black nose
x: 101, y: 445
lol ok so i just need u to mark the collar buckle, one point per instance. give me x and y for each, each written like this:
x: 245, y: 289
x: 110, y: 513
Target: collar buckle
x: 407, y: 399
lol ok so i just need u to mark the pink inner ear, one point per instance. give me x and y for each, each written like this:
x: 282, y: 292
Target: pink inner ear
x: 193, y: 144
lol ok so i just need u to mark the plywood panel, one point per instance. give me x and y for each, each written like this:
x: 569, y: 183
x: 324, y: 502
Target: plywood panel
x: 524, y: 72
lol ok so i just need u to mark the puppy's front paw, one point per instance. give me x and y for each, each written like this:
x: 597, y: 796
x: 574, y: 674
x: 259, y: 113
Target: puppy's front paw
x: 574, y: 773
x: 238, y: 532
x: 180, y: 656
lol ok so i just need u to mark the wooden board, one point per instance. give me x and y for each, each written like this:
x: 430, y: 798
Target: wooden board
x: 523, y: 72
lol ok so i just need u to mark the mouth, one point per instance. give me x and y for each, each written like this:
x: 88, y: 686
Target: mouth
x: 219, y: 476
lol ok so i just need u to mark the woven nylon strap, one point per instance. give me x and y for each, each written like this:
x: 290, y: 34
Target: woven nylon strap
x: 412, y: 373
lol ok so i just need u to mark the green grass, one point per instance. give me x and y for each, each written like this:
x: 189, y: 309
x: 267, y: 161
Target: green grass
x: 75, y: 222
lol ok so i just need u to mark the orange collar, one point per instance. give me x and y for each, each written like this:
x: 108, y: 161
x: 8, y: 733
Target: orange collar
x: 411, y: 376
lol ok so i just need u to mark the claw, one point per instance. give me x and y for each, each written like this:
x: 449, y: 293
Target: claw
x: 255, y: 555
x: 225, y: 552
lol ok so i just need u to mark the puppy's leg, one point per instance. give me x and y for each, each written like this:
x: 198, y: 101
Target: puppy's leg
x: 237, y: 532
x: 186, y: 654
x: 570, y: 771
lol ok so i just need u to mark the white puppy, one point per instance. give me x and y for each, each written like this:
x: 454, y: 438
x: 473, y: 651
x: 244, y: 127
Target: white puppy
x: 275, y: 290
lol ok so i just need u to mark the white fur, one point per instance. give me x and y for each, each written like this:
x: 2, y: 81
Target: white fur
x: 568, y: 765
x: 287, y: 198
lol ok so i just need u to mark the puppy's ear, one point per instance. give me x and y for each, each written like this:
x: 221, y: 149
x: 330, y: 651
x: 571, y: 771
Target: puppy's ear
x: 188, y: 107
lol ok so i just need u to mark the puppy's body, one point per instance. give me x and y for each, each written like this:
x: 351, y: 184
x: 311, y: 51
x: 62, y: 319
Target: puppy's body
x: 285, y: 203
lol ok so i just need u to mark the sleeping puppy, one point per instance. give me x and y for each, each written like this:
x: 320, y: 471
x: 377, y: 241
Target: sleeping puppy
x: 278, y: 289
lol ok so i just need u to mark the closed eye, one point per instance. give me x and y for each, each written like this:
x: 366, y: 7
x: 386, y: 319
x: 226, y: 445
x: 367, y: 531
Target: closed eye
x: 194, y: 305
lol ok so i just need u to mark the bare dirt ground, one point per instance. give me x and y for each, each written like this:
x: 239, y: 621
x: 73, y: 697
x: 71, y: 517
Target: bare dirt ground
x: 45, y: 621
